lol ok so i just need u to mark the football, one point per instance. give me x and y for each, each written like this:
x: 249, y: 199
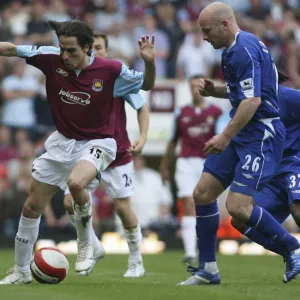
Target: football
x: 49, y: 265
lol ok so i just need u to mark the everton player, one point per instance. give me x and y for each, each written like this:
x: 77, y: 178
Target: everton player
x: 118, y: 177
x: 281, y: 196
x: 252, y: 143
x: 81, y: 91
x: 193, y: 125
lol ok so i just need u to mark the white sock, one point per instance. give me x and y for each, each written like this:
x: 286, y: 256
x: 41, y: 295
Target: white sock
x: 25, y: 239
x: 134, y: 239
x: 94, y: 236
x: 83, y: 221
x: 189, y: 237
x: 211, y: 267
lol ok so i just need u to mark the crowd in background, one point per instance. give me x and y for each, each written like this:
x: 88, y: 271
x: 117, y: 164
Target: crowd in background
x: 180, y: 53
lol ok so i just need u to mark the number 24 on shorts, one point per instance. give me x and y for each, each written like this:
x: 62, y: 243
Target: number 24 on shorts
x: 96, y: 152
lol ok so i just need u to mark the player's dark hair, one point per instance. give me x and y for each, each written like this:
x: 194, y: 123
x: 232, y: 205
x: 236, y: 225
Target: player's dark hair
x: 282, y: 78
x: 82, y: 31
x: 98, y: 34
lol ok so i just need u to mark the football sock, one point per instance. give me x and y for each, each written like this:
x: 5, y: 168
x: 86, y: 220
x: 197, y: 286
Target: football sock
x: 264, y: 223
x: 189, y: 238
x: 83, y: 221
x: 134, y: 239
x: 26, y: 237
x: 207, y: 225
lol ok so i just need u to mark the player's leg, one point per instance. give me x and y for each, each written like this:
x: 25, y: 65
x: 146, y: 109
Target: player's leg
x: 214, y: 180
x: 295, y: 211
x: 93, y: 158
x: 39, y: 196
x: 270, y: 198
x: 133, y: 236
x: 186, y: 179
x: 98, y: 249
x: 259, y: 159
x: 119, y: 184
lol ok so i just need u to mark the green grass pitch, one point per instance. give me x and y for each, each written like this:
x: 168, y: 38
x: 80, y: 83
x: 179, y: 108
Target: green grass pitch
x: 243, y: 278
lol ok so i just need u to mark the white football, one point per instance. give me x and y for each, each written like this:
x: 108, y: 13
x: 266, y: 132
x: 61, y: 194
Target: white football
x: 49, y: 265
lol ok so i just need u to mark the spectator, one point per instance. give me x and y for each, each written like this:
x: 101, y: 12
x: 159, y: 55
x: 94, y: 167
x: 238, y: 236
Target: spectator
x: 38, y: 30
x: 152, y: 201
x: 161, y: 46
x: 195, y: 57
x: 19, y: 91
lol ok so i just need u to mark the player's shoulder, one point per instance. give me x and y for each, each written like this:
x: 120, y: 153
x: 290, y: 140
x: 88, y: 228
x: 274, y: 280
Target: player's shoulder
x: 245, y: 41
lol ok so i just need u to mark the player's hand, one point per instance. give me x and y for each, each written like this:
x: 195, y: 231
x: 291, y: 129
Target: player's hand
x: 50, y: 221
x: 147, y: 48
x: 137, y: 146
x: 206, y: 87
x: 216, y: 144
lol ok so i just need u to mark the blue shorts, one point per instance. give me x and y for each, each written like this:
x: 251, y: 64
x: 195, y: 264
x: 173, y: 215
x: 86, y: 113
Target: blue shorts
x: 251, y: 158
x: 283, y: 190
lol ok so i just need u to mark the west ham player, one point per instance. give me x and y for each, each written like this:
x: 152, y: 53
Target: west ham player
x: 252, y: 142
x: 81, y: 91
x: 193, y: 125
x: 118, y: 177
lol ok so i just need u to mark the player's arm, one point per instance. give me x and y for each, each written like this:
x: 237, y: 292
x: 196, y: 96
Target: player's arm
x: 170, y: 151
x: 8, y: 49
x: 208, y: 88
x: 243, y: 115
x: 148, y: 54
x: 137, y: 102
x: 248, y: 91
x: 248, y: 74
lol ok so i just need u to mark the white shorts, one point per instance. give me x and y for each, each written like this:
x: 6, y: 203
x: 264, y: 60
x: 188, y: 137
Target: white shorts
x: 187, y: 175
x: 118, y: 181
x: 63, y: 154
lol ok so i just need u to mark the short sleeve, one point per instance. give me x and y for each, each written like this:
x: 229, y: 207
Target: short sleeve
x: 128, y: 82
x: 136, y: 101
x: 37, y: 56
x: 174, y: 132
x: 247, y: 69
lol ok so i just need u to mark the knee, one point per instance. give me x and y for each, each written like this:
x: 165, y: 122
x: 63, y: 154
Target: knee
x: 201, y: 196
x: 33, y: 208
x: 74, y: 184
x: 68, y: 204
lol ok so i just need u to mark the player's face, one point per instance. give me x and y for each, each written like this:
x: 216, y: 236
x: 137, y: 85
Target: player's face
x: 197, y: 98
x: 99, y: 47
x: 71, y: 52
x: 213, y: 32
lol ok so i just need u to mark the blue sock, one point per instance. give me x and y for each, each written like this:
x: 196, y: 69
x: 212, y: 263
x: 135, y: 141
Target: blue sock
x: 264, y: 223
x: 262, y: 240
x: 208, y: 220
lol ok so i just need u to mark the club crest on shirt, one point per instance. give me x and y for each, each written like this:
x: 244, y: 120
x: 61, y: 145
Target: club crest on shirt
x: 210, y: 119
x: 97, y: 85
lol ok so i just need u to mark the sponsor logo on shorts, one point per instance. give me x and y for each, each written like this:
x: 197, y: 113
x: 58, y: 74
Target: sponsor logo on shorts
x: 80, y: 98
x: 62, y: 72
x: 248, y: 176
x: 97, y: 85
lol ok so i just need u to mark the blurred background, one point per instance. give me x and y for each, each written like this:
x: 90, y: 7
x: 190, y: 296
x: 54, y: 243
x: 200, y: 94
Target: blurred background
x: 180, y: 53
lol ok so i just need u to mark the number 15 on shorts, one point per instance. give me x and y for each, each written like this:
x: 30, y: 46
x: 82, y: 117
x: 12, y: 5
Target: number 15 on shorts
x: 96, y: 152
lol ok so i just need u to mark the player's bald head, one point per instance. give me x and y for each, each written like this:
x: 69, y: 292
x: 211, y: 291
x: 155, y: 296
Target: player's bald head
x: 216, y: 12
x: 218, y: 24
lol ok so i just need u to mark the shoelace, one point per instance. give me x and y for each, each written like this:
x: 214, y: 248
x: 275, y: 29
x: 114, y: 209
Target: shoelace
x: 290, y: 264
x: 191, y: 269
x: 83, y: 250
